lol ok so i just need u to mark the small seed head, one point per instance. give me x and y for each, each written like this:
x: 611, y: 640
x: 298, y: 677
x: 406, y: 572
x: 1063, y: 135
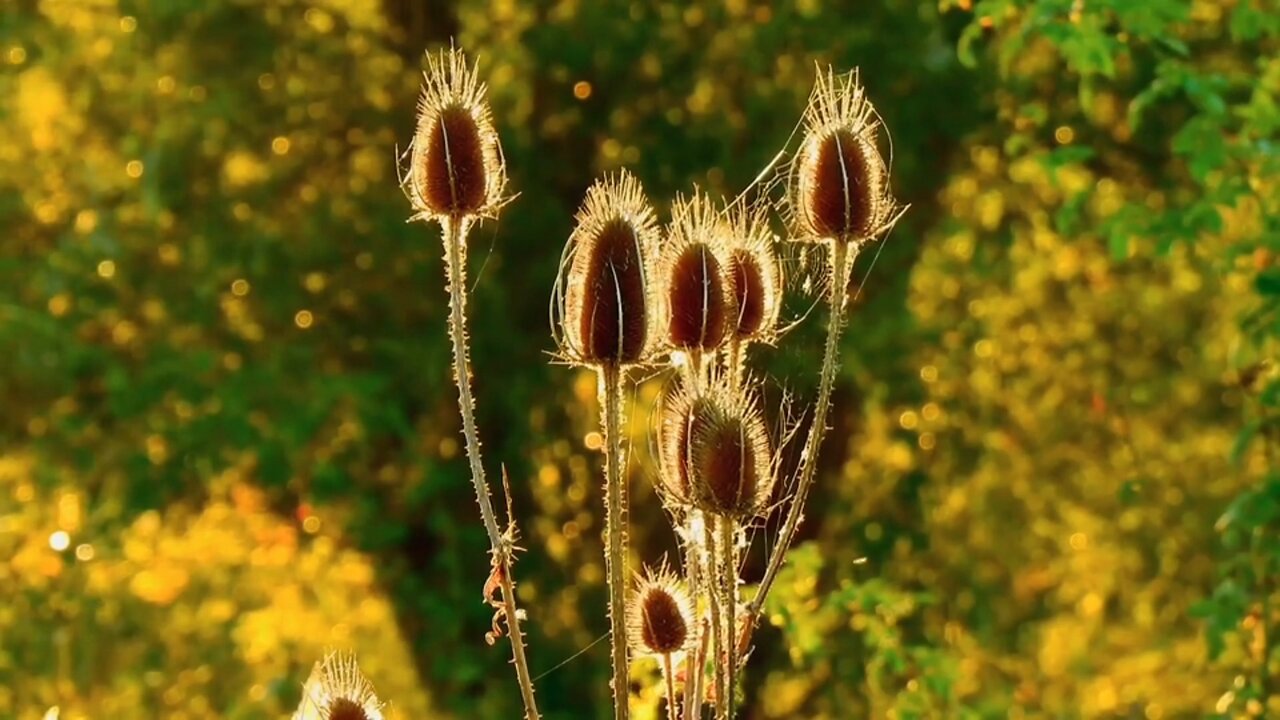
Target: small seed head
x: 840, y: 182
x: 659, y: 615
x: 714, y: 452
x: 337, y: 690
x: 601, y: 309
x: 456, y: 168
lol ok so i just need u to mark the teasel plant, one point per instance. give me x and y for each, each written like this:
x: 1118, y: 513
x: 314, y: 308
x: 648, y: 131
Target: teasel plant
x: 837, y: 197
x: 456, y: 177
x: 337, y: 690
x: 602, y: 316
x: 660, y: 623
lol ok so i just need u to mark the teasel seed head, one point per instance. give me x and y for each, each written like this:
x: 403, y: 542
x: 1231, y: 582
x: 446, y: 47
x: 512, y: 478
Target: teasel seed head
x: 696, y: 300
x: 456, y: 169
x: 839, y: 190
x: 659, y: 614
x: 601, y: 308
x: 755, y: 277
x: 714, y: 451
x: 337, y: 690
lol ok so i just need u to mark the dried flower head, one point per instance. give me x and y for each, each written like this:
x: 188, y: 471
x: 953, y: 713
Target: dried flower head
x: 839, y: 188
x: 696, y: 300
x: 601, y: 313
x: 659, y: 614
x: 456, y: 169
x: 755, y: 278
x: 337, y: 690
x: 714, y: 451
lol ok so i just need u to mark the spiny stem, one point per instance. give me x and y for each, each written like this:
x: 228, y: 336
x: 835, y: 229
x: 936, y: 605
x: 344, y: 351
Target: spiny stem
x: 841, y: 262
x: 455, y: 232
x: 669, y: 674
x: 615, y: 557
x: 694, y: 665
x: 717, y: 623
x: 729, y: 590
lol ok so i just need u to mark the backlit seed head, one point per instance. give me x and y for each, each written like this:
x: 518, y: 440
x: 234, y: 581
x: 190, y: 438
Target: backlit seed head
x: 755, y: 278
x: 714, y: 452
x: 601, y: 312
x: 456, y: 168
x: 696, y: 301
x: 659, y: 614
x: 337, y: 690
x: 839, y: 189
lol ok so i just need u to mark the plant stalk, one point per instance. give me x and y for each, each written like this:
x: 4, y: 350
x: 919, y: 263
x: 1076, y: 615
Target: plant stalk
x: 717, y: 621
x: 615, y: 557
x: 455, y: 232
x: 841, y: 263
x: 669, y: 675
x: 729, y: 598
x: 695, y: 664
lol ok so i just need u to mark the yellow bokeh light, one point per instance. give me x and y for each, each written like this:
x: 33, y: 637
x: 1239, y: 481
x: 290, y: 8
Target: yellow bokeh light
x: 280, y: 145
x: 59, y: 305
x: 593, y: 441
x: 107, y: 269
x: 311, y: 524
x: 134, y: 169
x: 84, y: 552
x: 582, y: 90
x: 17, y: 55
x: 303, y: 319
x: 1064, y: 135
x: 59, y: 540
x: 240, y: 287
x: 128, y: 24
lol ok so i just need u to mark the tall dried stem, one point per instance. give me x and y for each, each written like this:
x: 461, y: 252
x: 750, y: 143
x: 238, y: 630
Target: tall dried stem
x: 455, y: 231
x: 615, y: 557
x: 841, y: 263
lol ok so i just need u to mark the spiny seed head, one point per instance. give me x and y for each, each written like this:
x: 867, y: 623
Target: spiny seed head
x: 601, y: 313
x: 839, y: 188
x: 337, y: 690
x: 456, y: 168
x: 755, y: 278
x: 714, y: 452
x: 696, y: 299
x: 659, y: 614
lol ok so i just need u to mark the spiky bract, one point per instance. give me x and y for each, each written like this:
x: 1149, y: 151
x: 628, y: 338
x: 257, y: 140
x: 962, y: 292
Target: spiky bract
x: 659, y: 614
x: 337, y: 690
x: 839, y: 189
x: 697, y: 305
x: 602, y: 313
x: 755, y: 276
x: 456, y: 168
x: 714, y: 451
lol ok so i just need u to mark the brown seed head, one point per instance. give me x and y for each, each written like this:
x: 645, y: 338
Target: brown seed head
x: 601, y: 312
x: 755, y: 278
x: 840, y: 182
x: 659, y: 615
x: 697, y: 303
x: 337, y: 690
x: 455, y: 167
x: 714, y: 452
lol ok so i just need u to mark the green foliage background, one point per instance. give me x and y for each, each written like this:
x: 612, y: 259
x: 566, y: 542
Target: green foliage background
x: 229, y: 439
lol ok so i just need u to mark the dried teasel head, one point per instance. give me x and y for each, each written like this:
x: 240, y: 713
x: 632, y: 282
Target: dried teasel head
x: 839, y: 189
x: 713, y: 450
x: 601, y: 311
x: 659, y: 614
x: 697, y: 305
x: 755, y: 277
x: 337, y: 690
x: 456, y: 169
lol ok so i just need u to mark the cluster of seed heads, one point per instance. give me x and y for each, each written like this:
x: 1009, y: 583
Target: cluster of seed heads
x: 691, y: 297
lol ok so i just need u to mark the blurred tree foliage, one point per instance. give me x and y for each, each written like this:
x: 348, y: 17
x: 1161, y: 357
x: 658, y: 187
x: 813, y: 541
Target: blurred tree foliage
x: 229, y: 438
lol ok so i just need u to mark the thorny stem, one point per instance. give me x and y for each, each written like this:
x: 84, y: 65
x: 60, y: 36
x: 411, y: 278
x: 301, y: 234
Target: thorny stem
x: 669, y: 675
x: 729, y: 590
x: 841, y: 262
x: 455, y: 231
x: 717, y: 624
x: 615, y: 557
x: 696, y: 664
